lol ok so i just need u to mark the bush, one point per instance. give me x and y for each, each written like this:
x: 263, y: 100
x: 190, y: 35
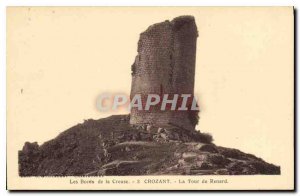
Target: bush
x: 206, y: 138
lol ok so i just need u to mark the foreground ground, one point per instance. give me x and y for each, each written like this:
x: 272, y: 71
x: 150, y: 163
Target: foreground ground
x: 110, y: 146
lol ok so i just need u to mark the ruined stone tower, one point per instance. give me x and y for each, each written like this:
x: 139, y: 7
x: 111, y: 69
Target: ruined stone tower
x: 165, y: 64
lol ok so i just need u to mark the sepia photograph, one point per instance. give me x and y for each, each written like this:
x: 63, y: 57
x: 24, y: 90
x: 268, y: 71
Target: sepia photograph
x: 150, y: 98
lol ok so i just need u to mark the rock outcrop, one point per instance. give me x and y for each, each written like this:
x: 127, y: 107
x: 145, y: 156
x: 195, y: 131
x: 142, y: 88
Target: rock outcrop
x: 111, y: 146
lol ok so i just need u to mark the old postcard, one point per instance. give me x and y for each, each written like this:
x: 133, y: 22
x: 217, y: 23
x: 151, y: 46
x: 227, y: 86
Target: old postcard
x: 150, y: 98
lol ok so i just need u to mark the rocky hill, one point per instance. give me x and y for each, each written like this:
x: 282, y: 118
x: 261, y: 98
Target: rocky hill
x: 110, y: 146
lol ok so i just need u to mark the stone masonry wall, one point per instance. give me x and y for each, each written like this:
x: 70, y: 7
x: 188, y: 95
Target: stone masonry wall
x: 165, y: 64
